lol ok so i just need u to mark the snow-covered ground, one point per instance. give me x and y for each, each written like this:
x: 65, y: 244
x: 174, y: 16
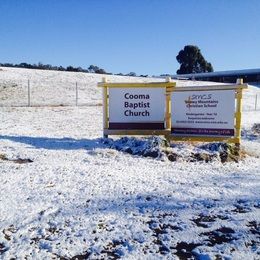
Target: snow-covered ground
x: 78, y: 196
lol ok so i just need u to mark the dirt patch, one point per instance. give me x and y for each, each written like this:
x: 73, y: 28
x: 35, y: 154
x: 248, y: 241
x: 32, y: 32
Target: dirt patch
x: 8, y: 232
x: 225, y: 152
x: 257, y: 205
x: 113, y: 250
x: 203, y: 221
x: 242, y: 206
x: 256, y: 129
x: 241, y: 209
x: 159, y: 230
x: 80, y: 257
x: 21, y: 161
x: 219, y: 236
x: 184, y: 250
x: 3, y: 157
x: 3, y: 248
x: 254, y: 228
x: 202, y: 157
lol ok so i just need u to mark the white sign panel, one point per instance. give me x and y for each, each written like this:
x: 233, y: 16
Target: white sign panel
x: 136, y: 108
x: 203, y: 113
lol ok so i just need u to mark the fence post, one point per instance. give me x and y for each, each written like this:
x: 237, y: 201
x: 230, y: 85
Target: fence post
x: 77, y: 93
x: 29, y: 94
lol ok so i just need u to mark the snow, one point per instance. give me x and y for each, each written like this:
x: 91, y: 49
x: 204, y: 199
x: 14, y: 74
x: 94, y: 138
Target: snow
x: 83, y: 196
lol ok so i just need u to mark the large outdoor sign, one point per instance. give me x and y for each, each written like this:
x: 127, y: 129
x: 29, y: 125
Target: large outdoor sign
x: 193, y: 113
x: 136, y: 108
x: 203, y: 113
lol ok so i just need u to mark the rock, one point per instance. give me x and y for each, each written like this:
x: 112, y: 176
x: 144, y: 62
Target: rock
x: 128, y: 150
x: 151, y: 153
x: 206, y: 157
x: 3, y: 157
x: 256, y: 129
x: 173, y: 157
x: 227, y: 152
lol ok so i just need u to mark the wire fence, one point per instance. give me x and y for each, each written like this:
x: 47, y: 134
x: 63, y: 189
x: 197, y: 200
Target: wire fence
x: 48, y: 93
x: 67, y: 93
x: 251, y: 101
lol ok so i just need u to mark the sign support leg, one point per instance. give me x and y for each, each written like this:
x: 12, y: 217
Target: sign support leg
x: 238, y: 120
x: 105, y: 108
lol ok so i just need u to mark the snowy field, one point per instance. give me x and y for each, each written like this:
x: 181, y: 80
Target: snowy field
x: 66, y: 193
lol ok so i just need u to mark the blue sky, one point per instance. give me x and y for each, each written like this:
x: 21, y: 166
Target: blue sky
x: 143, y: 36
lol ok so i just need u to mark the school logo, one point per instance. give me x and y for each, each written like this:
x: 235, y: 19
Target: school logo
x: 188, y: 102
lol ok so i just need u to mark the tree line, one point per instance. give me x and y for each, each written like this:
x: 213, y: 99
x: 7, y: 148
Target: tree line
x: 90, y: 69
x: 190, y: 58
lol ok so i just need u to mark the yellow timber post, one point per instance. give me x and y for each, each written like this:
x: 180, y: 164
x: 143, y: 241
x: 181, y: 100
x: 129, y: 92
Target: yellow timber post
x: 105, y: 106
x: 238, y: 115
x: 168, y: 107
x: 168, y: 86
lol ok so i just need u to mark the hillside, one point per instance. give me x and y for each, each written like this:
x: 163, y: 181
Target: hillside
x: 67, y: 193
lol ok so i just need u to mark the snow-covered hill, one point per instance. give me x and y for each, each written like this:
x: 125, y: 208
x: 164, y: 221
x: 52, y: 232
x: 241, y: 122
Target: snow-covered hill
x: 67, y: 193
x: 59, y: 88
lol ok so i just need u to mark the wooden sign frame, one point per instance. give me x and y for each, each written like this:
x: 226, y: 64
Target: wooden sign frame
x: 170, y: 87
x: 106, y: 86
x: 238, y: 88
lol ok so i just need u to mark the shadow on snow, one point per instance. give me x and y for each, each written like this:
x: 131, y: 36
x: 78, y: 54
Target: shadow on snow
x: 57, y: 143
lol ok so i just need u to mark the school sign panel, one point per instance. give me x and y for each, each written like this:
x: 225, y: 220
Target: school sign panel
x: 203, y: 113
x: 196, y: 113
